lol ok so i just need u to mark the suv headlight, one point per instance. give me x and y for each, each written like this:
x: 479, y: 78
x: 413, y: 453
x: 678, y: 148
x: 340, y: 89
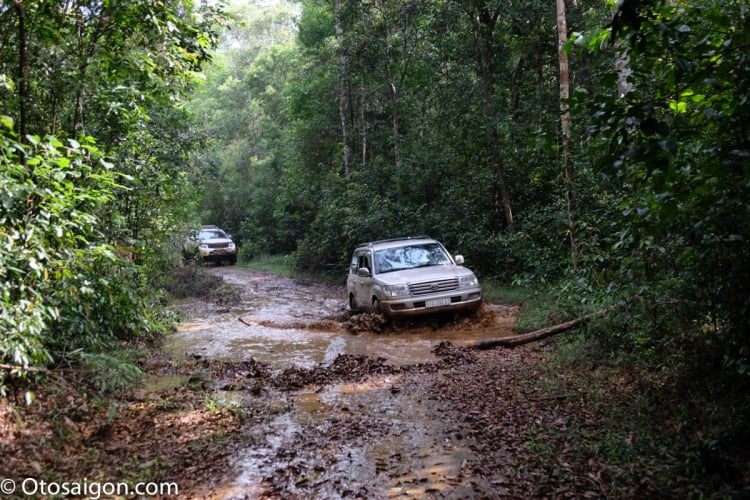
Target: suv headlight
x: 468, y: 281
x: 203, y: 246
x: 230, y: 246
x: 396, y: 290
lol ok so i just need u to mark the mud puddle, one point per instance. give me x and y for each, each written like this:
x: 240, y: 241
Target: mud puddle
x: 288, y: 323
x: 379, y: 437
x: 359, y: 440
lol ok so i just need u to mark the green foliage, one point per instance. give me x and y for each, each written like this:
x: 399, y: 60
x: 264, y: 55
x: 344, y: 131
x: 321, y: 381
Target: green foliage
x: 678, y: 158
x: 242, y: 107
x: 50, y: 244
x: 87, y: 224
x: 110, y: 372
x: 64, y: 286
x: 275, y: 177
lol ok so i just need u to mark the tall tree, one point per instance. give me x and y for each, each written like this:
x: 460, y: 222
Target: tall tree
x: 344, y: 91
x: 483, y: 19
x: 23, y: 69
x: 562, y: 34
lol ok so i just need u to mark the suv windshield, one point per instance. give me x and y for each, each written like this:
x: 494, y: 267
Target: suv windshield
x: 211, y: 234
x: 409, y: 257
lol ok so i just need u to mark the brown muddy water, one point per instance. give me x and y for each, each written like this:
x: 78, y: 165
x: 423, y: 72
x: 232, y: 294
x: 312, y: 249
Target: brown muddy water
x: 378, y: 438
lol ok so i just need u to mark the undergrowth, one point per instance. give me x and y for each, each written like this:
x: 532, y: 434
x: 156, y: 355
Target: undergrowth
x: 683, y: 423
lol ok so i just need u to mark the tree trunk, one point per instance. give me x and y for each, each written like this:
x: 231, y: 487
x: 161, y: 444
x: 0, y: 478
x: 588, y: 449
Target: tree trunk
x: 92, y: 25
x: 344, y: 97
x: 515, y: 100
x: 23, y: 68
x: 483, y: 22
x: 622, y: 57
x: 363, y: 122
x: 393, y: 91
x: 527, y: 338
x: 82, y: 65
x: 562, y: 37
x: 549, y: 331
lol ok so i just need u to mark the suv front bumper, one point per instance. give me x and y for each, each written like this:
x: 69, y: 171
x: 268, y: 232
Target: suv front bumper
x: 218, y: 255
x: 466, y: 299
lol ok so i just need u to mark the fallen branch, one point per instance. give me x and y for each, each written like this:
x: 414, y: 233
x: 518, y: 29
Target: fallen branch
x: 549, y: 331
x: 20, y: 368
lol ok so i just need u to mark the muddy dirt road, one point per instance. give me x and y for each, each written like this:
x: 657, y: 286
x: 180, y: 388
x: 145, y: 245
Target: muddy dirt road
x: 350, y: 413
x: 291, y: 323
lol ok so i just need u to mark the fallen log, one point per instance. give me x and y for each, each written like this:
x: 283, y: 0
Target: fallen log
x: 526, y: 338
x: 549, y: 331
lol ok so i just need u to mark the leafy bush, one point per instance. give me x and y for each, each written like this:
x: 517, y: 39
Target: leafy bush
x: 63, y: 286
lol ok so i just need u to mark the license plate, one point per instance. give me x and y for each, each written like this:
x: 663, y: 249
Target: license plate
x: 437, y: 302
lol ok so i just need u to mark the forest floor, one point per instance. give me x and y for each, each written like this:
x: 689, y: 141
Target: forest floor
x: 459, y: 423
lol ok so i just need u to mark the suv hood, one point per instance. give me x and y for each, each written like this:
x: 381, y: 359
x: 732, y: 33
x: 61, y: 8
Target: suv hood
x: 422, y: 274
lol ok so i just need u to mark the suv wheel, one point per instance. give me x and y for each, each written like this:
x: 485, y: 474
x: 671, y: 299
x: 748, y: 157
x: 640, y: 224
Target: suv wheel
x: 376, y: 306
x: 353, y: 304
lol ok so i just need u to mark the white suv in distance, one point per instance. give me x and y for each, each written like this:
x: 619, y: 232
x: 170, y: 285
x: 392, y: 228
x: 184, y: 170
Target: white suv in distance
x: 410, y: 276
x: 210, y: 244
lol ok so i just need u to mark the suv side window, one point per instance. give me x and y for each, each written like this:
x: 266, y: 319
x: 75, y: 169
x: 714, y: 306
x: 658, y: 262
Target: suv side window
x: 364, y: 261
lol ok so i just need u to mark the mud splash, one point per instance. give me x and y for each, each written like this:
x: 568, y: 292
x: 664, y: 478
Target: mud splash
x: 346, y: 416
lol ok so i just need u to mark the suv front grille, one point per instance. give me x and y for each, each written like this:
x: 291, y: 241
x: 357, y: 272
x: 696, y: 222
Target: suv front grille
x: 433, y: 287
x: 218, y: 245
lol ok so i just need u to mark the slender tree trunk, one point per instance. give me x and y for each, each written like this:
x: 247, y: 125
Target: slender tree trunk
x: 393, y: 93
x: 622, y: 65
x: 562, y: 34
x: 515, y: 101
x: 622, y: 60
x: 483, y: 22
x: 96, y: 25
x: 23, y: 68
x: 393, y: 90
x: 344, y: 95
x: 363, y: 122
x: 82, y: 66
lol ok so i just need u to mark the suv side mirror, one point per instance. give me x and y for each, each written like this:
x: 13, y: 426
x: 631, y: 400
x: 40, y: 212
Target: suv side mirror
x: 459, y: 260
x: 363, y: 272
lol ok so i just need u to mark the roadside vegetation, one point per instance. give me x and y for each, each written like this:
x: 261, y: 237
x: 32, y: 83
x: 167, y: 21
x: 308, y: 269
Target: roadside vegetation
x: 596, y: 164
x: 95, y: 152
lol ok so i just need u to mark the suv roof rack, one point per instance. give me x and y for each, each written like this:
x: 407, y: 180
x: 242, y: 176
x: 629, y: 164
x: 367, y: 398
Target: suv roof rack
x: 387, y: 240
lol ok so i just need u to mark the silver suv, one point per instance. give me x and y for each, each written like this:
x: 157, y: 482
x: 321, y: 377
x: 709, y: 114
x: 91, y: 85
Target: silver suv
x: 410, y: 276
x: 210, y: 244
